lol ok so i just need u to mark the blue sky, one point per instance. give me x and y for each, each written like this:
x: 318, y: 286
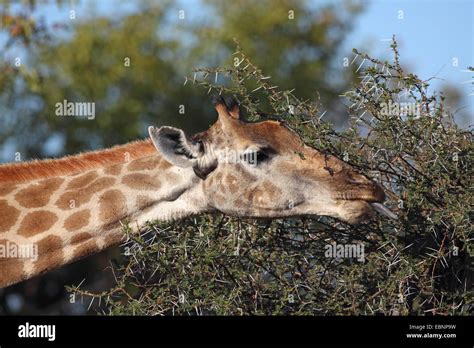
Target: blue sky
x: 433, y: 35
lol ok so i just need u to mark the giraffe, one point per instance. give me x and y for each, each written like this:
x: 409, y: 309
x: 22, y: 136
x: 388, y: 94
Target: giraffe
x: 72, y: 207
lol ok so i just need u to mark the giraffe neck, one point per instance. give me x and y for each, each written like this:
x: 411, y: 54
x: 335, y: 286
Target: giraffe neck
x: 59, y: 219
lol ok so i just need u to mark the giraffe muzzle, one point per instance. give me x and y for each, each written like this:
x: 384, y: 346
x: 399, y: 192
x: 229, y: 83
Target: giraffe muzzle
x: 372, y: 193
x: 374, y: 196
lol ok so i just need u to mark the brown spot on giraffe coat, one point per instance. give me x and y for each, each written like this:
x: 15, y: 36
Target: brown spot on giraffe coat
x: 141, y: 181
x: 146, y: 163
x: 50, y: 254
x: 271, y: 190
x: 112, y: 205
x: 231, y: 183
x: 164, y: 164
x: 82, y: 180
x: 36, y: 222
x: 83, y: 195
x: 11, y: 269
x: 115, y: 169
x: 113, y: 239
x: 38, y: 194
x: 77, y: 220
x: 86, y: 248
x: 144, y: 201
x: 80, y: 237
x: 6, y: 189
x: 9, y: 216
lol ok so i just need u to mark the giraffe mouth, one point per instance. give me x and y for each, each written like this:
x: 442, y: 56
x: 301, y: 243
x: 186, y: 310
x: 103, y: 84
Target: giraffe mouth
x: 372, y: 194
x: 374, y: 198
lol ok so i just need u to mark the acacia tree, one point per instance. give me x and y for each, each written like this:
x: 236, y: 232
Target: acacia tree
x: 420, y: 264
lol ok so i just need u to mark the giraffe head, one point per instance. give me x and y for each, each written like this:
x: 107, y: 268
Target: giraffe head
x: 264, y: 170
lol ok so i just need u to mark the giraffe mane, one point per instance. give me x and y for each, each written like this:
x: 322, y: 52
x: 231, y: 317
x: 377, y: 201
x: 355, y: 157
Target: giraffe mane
x: 41, y: 169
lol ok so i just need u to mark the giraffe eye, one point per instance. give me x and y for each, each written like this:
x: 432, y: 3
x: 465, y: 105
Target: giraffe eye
x: 262, y: 156
x: 257, y: 157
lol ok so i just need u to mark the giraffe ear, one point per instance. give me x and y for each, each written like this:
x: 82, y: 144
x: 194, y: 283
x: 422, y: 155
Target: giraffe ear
x: 227, y: 106
x: 175, y: 147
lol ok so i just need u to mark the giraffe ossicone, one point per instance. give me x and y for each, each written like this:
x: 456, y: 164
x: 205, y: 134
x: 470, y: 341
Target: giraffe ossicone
x: 69, y: 208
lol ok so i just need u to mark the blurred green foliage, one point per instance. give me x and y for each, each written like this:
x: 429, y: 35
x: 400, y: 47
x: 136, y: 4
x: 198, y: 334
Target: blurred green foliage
x: 133, y: 67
